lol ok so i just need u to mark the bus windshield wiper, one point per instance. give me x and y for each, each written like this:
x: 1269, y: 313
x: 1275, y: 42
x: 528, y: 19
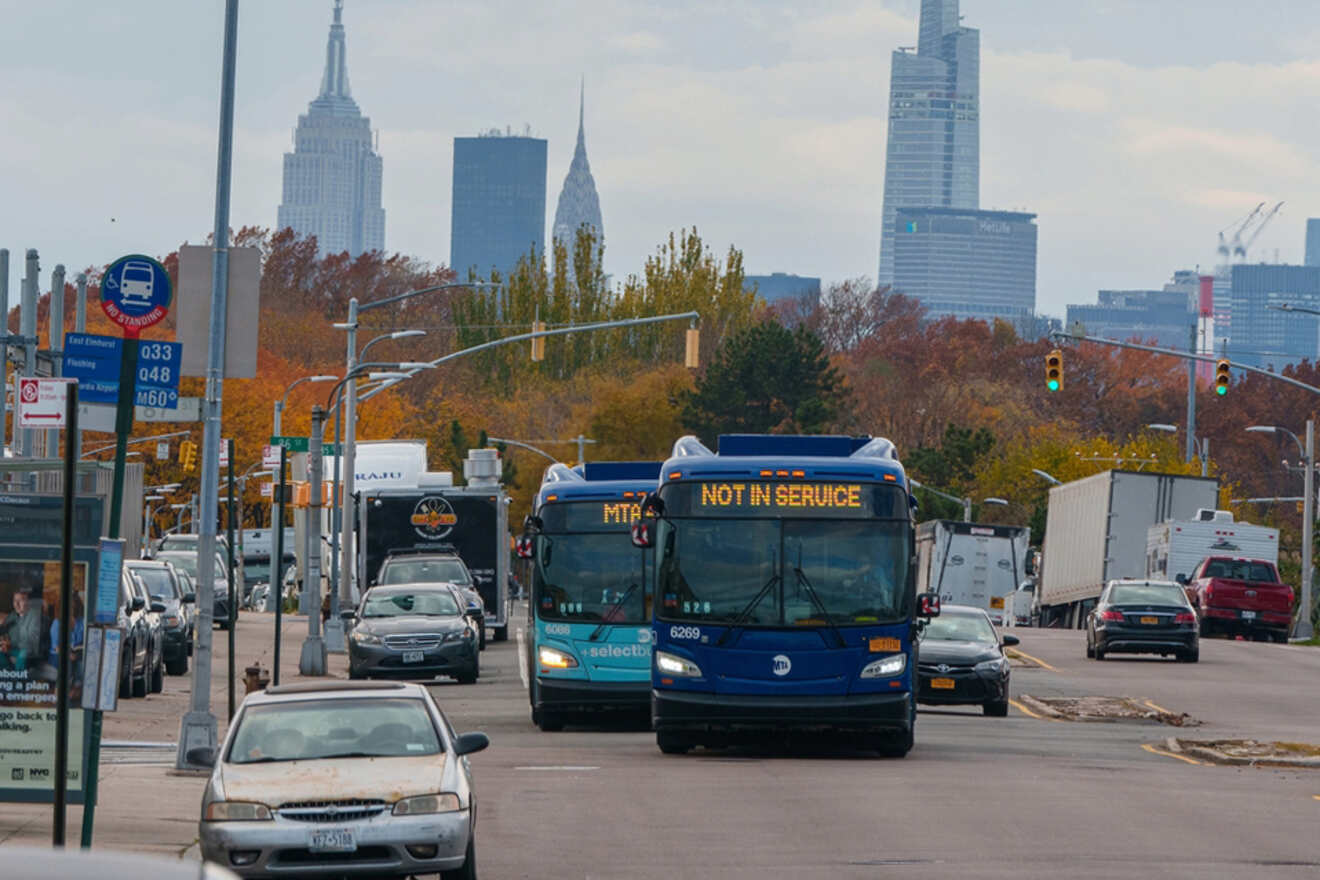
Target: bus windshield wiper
x: 627, y: 594
x: 819, y: 605
x: 746, y: 612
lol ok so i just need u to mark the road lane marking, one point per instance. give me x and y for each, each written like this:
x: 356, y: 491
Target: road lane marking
x: 1036, y: 660
x: 1158, y: 708
x: 1024, y: 710
x: 1154, y: 751
x: 522, y: 660
x: 559, y: 767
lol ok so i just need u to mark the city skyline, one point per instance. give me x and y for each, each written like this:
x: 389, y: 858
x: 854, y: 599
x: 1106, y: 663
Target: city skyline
x: 772, y: 142
x: 579, y: 203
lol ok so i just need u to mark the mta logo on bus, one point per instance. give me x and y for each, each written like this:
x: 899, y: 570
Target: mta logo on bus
x: 433, y: 518
x: 782, y: 664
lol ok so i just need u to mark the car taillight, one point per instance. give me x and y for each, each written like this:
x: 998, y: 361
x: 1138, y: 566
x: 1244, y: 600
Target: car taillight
x: 1184, y: 617
x: 1115, y: 616
x: 1209, y: 595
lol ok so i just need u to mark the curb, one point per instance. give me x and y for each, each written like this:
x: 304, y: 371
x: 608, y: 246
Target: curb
x: 1214, y: 756
x: 1042, y: 708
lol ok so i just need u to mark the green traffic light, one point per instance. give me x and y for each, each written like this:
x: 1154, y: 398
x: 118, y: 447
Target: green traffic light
x: 1221, y: 390
x: 1052, y: 384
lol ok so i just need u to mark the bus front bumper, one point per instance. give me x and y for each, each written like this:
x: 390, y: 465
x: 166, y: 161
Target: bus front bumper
x: 592, y: 696
x: 688, y: 711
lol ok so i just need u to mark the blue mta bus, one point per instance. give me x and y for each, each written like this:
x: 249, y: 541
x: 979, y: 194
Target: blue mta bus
x: 589, y: 616
x: 784, y: 594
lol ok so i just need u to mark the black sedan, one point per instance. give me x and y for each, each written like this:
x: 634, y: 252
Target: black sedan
x: 412, y: 631
x: 960, y: 661
x: 1143, y: 617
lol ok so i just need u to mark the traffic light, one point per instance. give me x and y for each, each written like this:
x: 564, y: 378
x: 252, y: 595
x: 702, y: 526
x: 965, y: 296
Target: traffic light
x: 188, y: 455
x: 692, y: 349
x: 1054, y: 370
x: 1223, y: 378
x: 538, y: 342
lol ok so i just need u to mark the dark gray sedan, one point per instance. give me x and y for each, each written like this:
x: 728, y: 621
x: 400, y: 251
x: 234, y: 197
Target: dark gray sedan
x: 412, y: 631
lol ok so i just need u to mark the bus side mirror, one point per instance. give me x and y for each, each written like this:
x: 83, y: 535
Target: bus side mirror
x: 532, y: 523
x: 525, y: 547
x: 642, y: 534
x: 652, y: 505
x: 929, y: 604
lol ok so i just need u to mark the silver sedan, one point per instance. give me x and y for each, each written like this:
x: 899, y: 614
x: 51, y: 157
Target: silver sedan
x: 348, y: 778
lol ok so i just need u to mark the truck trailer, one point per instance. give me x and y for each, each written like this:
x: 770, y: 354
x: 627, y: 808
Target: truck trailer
x: 974, y: 564
x: 1176, y: 547
x: 1096, y: 530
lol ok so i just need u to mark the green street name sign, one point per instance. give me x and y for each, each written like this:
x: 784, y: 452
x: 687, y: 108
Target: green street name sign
x: 301, y: 444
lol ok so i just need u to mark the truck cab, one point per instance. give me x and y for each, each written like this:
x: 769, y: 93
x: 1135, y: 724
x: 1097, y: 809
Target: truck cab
x: 1239, y: 596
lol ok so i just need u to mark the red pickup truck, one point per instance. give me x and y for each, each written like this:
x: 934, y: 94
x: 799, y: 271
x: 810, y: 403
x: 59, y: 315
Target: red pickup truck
x: 1240, y: 596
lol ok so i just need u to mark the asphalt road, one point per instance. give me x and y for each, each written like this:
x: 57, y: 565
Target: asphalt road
x: 1017, y: 797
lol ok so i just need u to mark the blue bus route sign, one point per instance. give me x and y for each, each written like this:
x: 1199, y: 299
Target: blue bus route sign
x: 94, y: 362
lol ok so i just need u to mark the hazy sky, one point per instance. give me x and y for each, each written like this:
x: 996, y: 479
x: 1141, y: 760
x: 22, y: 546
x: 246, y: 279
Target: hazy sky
x: 1135, y: 128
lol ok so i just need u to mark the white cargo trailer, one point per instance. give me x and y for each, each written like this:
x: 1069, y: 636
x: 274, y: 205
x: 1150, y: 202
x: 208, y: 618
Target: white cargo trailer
x: 974, y: 564
x: 1175, y: 547
x: 1096, y: 531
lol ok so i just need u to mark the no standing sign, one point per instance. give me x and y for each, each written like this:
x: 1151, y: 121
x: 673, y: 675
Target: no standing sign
x: 136, y: 293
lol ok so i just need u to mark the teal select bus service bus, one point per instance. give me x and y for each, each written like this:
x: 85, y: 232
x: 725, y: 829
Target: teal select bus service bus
x: 784, y: 594
x: 589, y: 616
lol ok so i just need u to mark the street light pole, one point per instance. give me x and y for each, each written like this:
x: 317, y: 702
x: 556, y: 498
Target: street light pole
x: 1304, y: 628
x: 312, y: 659
x: 277, y: 424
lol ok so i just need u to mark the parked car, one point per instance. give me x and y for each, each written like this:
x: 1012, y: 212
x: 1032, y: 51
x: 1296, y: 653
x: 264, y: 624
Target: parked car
x: 960, y: 661
x: 187, y: 560
x: 412, y: 631
x: 341, y: 777
x: 1143, y: 617
x: 189, y: 543
x: 135, y: 650
x: 163, y: 586
x: 155, y: 619
x: 1235, y: 596
x: 189, y: 587
x: 431, y: 568
x: 45, y: 863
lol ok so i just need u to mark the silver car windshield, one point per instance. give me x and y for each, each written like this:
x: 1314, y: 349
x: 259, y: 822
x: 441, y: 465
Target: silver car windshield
x: 425, y: 571
x: 954, y: 627
x: 338, y: 728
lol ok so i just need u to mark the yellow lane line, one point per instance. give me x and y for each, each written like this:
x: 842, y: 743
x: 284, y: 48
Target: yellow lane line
x: 1025, y: 711
x: 1157, y: 707
x: 1154, y: 751
x: 1035, y: 660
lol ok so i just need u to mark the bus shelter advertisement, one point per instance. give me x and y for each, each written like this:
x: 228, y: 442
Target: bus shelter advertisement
x: 29, y: 651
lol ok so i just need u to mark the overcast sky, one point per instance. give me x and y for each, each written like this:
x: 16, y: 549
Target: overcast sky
x: 1134, y: 129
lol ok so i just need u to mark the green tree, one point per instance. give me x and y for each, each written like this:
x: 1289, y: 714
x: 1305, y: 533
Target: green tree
x: 766, y: 379
x: 949, y: 467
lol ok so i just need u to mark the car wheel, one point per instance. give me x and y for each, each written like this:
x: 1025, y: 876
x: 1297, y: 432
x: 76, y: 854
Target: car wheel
x: 997, y: 708
x: 501, y: 633
x: 357, y: 674
x: 896, y: 745
x: 672, y: 743
x: 468, y: 870
x: 481, y: 640
x: 140, y: 683
x: 550, y: 722
x: 1090, y: 650
x: 158, y: 677
x: 177, y: 667
x: 1099, y: 652
x: 126, y: 681
x: 1280, y: 637
x: 1190, y: 656
x: 469, y: 677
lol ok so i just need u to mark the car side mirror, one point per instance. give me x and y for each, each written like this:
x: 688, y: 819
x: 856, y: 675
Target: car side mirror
x: 201, y: 756
x: 929, y: 604
x: 350, y: 614
x: 526, y: 548
x: 1181, y: 578
x: 643, y: 535
x: 1010, y: 641
x: 467, y: 743
x: 157, y: 607
x: 137, y: 603
x: 189, y: 598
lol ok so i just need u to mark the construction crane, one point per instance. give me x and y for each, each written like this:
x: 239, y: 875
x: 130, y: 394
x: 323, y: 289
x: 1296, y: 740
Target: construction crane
x: 1228, y: 247
x: 1240, y: 250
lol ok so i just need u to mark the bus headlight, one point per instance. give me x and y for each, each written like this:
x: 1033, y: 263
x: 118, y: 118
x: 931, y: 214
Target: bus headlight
x: 553, y: 659
x: 670, y: 664
x: 885, y: 667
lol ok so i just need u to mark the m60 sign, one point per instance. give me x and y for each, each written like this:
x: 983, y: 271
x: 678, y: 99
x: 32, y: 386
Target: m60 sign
x: 158, y: 374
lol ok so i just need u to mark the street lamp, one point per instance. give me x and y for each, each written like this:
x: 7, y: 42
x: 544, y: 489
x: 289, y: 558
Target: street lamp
x: 993, y: 499
x: 279, y: 404
x: 1201, y: 446
x: 397, y: 334
x: 146, y: 518
x: 1304, y: 630
x: 506, y: 441
x: 1049, y: 478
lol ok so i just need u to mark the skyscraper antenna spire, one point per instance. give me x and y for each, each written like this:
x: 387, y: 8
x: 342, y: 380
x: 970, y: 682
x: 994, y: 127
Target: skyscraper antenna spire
x: 334, y: 83
x: 339, y: 11
x: 582, y: 112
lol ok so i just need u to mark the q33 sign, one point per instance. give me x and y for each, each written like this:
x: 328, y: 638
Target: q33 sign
x: 738, y: 498
x: 433, y: 518
x: 136, y: 293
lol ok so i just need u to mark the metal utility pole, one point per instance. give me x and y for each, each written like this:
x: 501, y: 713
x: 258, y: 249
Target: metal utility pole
x: 27, y: 328
x: 312, y: 660
x: 4, y: 343
x: 347, y: 557
x: 581, y: 445
x: 50, y: 442
x: 1304, y: 628
x: 1191, y: 399
x: 198, y: 728
x: 80, y: 326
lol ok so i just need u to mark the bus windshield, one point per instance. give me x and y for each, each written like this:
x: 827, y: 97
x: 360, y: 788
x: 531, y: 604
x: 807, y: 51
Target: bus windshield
x: 590, y: 576
x: 786, y: 568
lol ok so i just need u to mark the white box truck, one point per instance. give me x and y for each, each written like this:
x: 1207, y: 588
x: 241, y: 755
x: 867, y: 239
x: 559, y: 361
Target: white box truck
x: 1096, y: 531
x: 1175, y: 547
x: 976, y: 564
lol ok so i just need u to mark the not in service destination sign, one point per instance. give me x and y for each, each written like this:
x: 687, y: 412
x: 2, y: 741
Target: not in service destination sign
x: 136, y: 293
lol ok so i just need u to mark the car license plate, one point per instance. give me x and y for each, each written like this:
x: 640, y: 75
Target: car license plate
x: 413, y: 656
x: 1248, y: 615
x: 337, y: 840
x: 1150, y: 620
x: 942, y: 684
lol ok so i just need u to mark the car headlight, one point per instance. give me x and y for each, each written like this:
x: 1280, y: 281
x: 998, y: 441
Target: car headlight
x: 885, y: 667
x: 237, y: 811
x: 465, y: 635
x: 671, y: 664
x: 365, y: 638
x: 445, y: 802
x: 996, y: 666
x: 556, y: 659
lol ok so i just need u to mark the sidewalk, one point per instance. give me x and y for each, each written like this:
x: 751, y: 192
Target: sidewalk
x: 143, y: 804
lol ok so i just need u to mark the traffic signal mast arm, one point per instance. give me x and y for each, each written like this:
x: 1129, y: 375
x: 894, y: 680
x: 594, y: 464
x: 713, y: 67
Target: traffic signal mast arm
x: 1187, y: 356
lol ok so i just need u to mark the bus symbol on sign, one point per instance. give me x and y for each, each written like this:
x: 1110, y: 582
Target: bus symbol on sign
x: 782, y: 664
x: 135, y: 281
